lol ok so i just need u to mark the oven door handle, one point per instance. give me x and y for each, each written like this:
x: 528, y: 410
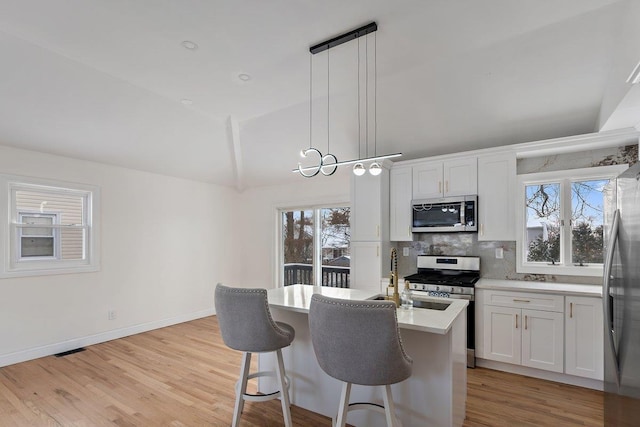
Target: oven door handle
x: 462, y: 296
x: 425, y: 294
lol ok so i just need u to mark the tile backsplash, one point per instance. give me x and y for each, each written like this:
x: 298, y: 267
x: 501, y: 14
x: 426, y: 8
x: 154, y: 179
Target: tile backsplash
x: 467, y: 244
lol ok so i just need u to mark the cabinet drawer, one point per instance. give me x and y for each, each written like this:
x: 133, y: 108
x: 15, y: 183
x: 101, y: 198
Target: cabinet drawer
x: 523, y: 300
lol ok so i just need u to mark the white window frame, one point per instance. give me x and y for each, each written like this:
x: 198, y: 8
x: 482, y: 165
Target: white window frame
x: 12, y: 264
x: 564, y: 178
x: 55, y: 235
x: 317, y: 244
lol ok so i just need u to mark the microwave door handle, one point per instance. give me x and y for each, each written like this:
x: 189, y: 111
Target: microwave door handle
x: 606, y: 295
x: 463, y: 206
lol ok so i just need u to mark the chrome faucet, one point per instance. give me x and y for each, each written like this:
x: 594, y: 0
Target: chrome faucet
x: 393, y: 280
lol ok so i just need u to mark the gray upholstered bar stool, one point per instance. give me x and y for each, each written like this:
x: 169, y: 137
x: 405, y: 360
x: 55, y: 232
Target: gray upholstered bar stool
x: 358, y: 342
x: 246, y: 325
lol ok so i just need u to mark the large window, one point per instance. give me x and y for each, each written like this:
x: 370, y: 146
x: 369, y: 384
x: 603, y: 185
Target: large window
x: 561, y: 220
x: 314, y: 246
x: 50, y: 227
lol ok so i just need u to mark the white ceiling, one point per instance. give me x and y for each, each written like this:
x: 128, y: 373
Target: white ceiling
x: 104, y: 80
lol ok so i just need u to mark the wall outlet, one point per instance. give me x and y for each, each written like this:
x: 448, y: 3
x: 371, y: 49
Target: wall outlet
x: 405, y: 251
x: 499, y: 253
x: 112, y: 314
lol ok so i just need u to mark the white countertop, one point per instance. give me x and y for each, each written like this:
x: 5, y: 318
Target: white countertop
x: 298, y: 298
x: 572, y: 289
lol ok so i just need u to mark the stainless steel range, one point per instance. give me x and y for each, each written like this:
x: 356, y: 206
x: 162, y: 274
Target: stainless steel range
x: 450, y: 277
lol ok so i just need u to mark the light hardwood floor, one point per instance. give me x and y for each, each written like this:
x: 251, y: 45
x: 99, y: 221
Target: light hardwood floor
x: 183, y: 375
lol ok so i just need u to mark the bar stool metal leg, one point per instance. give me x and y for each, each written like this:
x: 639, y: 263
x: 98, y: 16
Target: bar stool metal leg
x: 343, y: 409
x: 244, y: 378
x: 284, y: 390
x: 390, y: 407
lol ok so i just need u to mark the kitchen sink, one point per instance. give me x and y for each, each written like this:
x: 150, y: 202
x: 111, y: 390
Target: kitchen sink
x: 417, y: 303
x: 431, y: 305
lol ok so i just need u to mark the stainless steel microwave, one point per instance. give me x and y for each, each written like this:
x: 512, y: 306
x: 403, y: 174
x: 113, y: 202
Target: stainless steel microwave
x: 449, y: 214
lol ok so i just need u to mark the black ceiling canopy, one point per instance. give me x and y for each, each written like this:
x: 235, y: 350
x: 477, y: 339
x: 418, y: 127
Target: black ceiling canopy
x: 343, y: 38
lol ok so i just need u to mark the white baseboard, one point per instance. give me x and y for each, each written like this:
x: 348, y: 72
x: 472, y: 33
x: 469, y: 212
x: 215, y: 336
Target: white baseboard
x: 48, y: 350
x: 538, y: 373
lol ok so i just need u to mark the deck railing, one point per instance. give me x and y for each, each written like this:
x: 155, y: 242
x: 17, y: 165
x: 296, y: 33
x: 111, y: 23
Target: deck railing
x: 335, y: 277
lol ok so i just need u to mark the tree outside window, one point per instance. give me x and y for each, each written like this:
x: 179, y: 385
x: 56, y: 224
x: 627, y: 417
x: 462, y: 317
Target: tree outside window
x: 563, y: 220
x: 315, y: 246
x: 586, y: 221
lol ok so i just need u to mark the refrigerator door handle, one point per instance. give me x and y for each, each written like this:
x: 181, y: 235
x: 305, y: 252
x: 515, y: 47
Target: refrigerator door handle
x: 606, y: 289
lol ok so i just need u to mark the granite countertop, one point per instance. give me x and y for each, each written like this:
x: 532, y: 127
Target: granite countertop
x: 572, y: 289
x: 298, y: 298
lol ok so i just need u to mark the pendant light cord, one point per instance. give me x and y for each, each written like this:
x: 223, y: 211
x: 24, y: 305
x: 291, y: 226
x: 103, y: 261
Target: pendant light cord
x: 359, y: 125
x: 328, y: 104
x: 375, y: 95
x: 366, y: 92
x: 310, y: 100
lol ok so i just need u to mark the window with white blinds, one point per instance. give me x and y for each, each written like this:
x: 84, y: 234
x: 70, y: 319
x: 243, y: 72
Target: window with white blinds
x: 51, y: 227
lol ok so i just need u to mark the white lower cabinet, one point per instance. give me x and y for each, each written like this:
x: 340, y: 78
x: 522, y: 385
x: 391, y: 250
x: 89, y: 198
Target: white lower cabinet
x: 551, y: 332
x: 543, y: 340
x: 584, y: 337
x: 502, y: 339
x: 531, y: 338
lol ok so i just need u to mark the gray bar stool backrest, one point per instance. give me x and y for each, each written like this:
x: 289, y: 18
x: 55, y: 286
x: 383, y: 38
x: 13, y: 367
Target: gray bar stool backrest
x: 245, y: 320
x: 358, y: 342
x: 246, y: 325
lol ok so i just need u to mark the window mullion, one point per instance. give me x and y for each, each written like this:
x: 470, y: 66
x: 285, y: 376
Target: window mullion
x: 317, y: 247
x: 566, y: 230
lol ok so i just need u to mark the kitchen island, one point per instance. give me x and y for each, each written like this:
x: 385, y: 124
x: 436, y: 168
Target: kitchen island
x: 435, y: 394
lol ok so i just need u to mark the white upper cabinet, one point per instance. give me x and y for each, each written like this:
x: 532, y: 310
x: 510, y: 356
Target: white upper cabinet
x: 427, y: 180
x: 370, y: 207
x: 369, y: 263
x: 496, y: 195
x: 400, y: 205
x: 435, y: 179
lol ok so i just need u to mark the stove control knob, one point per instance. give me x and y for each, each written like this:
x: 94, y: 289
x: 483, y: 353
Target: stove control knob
x: 437, y: 288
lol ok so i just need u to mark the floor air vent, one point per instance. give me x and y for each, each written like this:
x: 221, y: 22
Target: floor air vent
x: 66, y: 353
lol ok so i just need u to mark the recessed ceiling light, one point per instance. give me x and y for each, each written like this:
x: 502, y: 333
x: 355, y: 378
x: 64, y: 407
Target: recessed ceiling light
x: 189, y: 45
x: 186, y: 101
x: 244, y: 77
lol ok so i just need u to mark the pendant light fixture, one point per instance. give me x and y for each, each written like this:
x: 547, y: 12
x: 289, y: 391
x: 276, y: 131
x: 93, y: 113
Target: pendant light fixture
x: 328, y: 164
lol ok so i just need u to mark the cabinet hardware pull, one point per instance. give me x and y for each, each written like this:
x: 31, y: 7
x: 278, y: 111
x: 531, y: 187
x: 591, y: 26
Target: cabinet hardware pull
x: 377, y: 250
x: 525, y: 322
x: 521, y: 300
x: 446, y: 184
x: 570, y: 310
x: 516, y: 321
x: 439, y: 186
x: 482, y: 229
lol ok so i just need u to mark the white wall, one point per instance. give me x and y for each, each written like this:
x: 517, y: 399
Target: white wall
x: 165, y: 244
x: 256, y: 256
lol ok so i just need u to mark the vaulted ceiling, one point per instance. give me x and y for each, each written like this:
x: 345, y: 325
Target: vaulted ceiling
x: 111, y: 81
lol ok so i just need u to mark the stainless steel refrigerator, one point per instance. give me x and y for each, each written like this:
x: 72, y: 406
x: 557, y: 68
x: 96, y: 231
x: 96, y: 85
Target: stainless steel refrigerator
x: 621, y: 300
